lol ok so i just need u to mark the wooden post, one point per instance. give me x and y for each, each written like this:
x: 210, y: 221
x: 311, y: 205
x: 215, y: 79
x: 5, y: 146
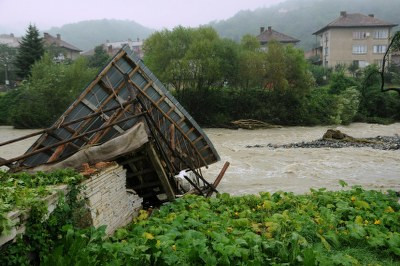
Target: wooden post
x: 219, y: 178
x: 160, y: 171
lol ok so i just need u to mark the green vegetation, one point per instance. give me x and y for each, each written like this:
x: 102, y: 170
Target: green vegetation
x: 353, y: 227
x: 99, y: 58
x: 31, y: 50
x: 347, y: 227
x: 25, y: 192
x: 41, y: 99
x: 219, y: 81
x: 301, y: 18
x: 22, y: 191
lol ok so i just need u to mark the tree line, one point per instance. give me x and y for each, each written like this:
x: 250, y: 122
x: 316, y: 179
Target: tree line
x: 217, y: 80
x: 45, y: 86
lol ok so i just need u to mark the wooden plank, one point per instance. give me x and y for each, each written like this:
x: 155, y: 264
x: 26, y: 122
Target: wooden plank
x: 160, y: 171
x: 26, y: 155
x: 61, y: 148
x: 170, y: 119
x: 83, y: 95
x: 102, y: 115
x: 197, y: 140
x: 171, y: 110
x: 219, y: 178
x: 161, y: 99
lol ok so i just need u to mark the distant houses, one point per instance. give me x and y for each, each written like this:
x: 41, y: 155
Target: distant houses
x: 113, y: 47
x: 268, y: 35
x: 353, y: 39
x: 65, y: 50
x: 10, y: 40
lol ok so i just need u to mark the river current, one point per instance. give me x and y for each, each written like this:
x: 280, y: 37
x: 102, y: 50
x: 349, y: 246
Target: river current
x: 264, y: 169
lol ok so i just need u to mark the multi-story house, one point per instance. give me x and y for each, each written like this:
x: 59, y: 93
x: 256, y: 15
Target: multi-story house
x: 66, y: 50
x: 268, y: 35
x: 354, y: 38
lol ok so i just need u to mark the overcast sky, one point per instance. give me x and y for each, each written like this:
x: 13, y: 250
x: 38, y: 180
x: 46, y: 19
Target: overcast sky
x: 17, y: 14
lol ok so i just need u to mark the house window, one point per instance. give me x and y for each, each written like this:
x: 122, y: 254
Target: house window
x: 359, y: 49
x: 381, y: 34
x: 361, y: 63
x: 379, y: 49
x: 378, y: 62
x: 326, y: 51
x: 360, y: 35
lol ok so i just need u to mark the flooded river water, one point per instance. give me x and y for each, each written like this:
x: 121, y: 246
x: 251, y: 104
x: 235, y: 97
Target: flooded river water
x: 265, y: 169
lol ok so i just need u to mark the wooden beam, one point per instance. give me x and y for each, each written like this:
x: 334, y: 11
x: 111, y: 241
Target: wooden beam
x: 102, y: 114
x: 61, y: 148
x: 160, y: 171
x: 83, y: 95
x: 26, y: 155
x: 170, y: 119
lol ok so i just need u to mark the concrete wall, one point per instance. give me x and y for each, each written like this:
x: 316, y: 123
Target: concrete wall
x: 107, y: 198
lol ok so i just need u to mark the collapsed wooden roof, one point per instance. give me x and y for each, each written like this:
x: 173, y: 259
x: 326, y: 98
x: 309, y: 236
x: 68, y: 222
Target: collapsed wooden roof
x: 123, y: 94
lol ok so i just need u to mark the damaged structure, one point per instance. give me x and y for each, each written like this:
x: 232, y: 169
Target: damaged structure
x: 127, y: 116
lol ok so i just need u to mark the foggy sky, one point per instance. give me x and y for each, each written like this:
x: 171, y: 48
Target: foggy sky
x: 16, y: 15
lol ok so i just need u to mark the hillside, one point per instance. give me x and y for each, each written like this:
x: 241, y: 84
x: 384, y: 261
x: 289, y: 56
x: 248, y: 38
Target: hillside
x: 87, y: 34
x: 300, y: 18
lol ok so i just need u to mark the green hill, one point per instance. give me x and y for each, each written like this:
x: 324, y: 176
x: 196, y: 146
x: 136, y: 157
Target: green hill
x: 87, y: 34
x: 300, y: 18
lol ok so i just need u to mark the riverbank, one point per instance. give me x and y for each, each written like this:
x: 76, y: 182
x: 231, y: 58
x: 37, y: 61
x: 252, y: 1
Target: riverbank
x: 297, y: 170
x: 379, y: 142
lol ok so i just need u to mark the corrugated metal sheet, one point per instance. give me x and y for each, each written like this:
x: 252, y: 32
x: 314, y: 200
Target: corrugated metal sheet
x: 110, y: 89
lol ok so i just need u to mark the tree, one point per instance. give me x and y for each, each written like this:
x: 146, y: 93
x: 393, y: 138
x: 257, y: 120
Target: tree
x: 186, y: 58
x: 353, y: 68
x: 31, y: 49
x: 48, y: 91
x: 251, y: 69
x: 99, y: 58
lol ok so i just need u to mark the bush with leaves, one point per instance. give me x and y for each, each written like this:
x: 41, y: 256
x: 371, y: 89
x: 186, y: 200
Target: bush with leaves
x: 48, y: 92
x: 349, y: 227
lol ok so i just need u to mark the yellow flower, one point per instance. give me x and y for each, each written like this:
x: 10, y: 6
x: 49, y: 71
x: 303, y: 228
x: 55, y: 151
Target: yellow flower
x: 148, y: 235
x: 353, y: 198
x: 173, y: 247
x: 389, y: 209
x: 377, y: 222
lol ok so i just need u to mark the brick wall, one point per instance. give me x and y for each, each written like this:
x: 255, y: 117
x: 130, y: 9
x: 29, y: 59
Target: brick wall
x: 107, y: 198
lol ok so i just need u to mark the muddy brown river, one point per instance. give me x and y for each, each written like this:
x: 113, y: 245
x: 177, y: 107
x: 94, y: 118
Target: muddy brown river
x: 264, y: 169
